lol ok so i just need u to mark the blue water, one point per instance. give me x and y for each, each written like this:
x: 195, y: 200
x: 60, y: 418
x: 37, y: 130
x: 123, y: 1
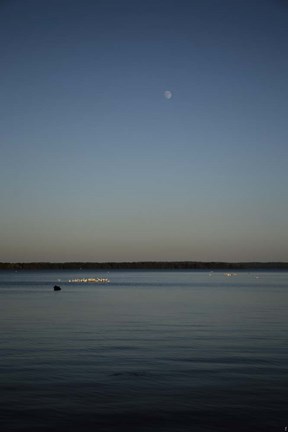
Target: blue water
x: 150, y: 351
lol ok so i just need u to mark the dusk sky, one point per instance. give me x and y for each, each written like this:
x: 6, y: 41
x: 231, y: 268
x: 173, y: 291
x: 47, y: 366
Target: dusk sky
x: 98, y: 163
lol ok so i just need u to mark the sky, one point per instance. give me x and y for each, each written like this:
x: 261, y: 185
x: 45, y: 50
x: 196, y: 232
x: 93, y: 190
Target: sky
x: 98, y: 163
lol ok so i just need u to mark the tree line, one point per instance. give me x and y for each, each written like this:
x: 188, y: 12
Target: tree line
x: 146, y: 265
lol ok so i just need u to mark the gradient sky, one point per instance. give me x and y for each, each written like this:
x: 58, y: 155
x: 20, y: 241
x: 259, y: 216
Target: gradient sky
x: 98, y: 165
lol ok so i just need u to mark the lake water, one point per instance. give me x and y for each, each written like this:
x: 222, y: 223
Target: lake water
x: 148, y: 352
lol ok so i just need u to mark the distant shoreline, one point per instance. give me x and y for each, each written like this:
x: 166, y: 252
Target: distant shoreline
x: 146, y: 265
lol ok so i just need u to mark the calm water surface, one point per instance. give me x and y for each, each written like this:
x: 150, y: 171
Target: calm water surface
x: 150, y: 351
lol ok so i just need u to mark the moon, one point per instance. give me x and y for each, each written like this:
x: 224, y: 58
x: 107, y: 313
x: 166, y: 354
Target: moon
x: 168, y: 94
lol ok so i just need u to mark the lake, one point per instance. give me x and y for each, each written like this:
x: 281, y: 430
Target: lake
x: 149, y: 351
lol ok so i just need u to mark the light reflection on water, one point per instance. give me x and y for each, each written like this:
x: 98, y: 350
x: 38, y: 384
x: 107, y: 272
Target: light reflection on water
x: 173, y: 351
